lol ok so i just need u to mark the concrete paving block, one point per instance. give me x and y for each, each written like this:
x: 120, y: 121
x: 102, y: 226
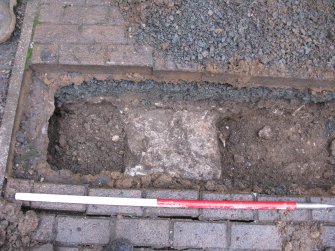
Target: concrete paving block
x: 76, y: 54
x: 199, y: 235
x: 83, y: 231
x: 64, y: 2
x: 260, y: 237
x: 45, y: 54
x: 115, y: 16
x: 100, y: 2
x: 95, y: 15
x: 323, y: 215
x: 128, y: 55
x: 56, y: 33
x: 103, y: 34
x: 51, y: 13
x: 328, y: 236
x: 45, y: 247
x: 143, y: 232
x: 73, y: 15
x: 67, y: 249
x: 94, y: 248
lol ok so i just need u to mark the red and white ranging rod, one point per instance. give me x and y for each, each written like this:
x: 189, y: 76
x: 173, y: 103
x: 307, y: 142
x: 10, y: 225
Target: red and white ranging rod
x: 140, y: 202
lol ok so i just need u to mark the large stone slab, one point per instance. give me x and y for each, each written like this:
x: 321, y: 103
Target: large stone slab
x: 179, y: 143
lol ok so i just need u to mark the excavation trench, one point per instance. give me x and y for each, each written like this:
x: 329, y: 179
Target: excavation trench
x: 191, y: 136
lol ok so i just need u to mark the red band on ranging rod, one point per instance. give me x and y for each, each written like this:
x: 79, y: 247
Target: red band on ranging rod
x: 226, y: 204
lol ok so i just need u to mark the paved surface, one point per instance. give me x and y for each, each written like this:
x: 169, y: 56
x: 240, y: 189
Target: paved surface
x: 86, y: 35
x: 76, y: 33
x: 175, y: 228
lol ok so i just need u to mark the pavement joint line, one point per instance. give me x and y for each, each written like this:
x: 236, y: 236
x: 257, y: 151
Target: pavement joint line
x: 309, y: 212
x: 228, y: 230
x: 256, y: 212
x: 171, y: 232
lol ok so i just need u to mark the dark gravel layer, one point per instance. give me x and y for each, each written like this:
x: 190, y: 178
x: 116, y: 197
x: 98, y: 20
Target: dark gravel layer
x: 294, y: 37
x: 186, y: 91
x: 7, y: 55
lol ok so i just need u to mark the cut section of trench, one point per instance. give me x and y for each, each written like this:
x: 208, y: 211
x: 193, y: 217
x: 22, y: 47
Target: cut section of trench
x: 257, y: 139
x: 88, y: 138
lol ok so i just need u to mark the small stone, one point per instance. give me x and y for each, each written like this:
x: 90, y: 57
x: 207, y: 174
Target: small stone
x: 211, y: 50
x: 115, y: 138
x: 315, y: 234
x: 159, y: 2
x: 146, y: 180
x: 332, y: 148
x: 210, y: 185
x: 116, y: 175
x: 266, y: 133
x: 327, y: 174
x: 331, y: 35
x: 162, y: 181
x: 288, y: 246
x: 210, y: 12
x: 332, y: 190
x: 164, y: 46
x: 205, y: 54
x: 169, y: 3
x: 238, y: 159
x: 124, y: 183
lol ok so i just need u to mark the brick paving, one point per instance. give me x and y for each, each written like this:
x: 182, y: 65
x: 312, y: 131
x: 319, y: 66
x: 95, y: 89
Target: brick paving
x: 86, y: 231
x: 150, y: 228
x: 87, y: 33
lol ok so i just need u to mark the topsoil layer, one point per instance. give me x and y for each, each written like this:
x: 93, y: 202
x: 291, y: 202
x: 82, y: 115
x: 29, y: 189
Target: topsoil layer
x: 268, y: 140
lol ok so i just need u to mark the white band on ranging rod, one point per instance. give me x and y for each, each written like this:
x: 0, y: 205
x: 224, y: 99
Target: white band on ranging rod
x: 89, y: 200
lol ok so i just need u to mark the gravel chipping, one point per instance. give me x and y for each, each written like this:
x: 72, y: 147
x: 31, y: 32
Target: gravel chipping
x: 292, y: 38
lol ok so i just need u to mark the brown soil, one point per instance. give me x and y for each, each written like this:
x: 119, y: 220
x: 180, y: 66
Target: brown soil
x: 80, y: 136
x: 16, y: 227
x: 276, y: 146
x: 302, y: 237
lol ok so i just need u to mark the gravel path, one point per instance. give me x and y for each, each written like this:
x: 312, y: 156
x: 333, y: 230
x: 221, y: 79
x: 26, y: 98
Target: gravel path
x: 295, y: 37
x: 7, y: 55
